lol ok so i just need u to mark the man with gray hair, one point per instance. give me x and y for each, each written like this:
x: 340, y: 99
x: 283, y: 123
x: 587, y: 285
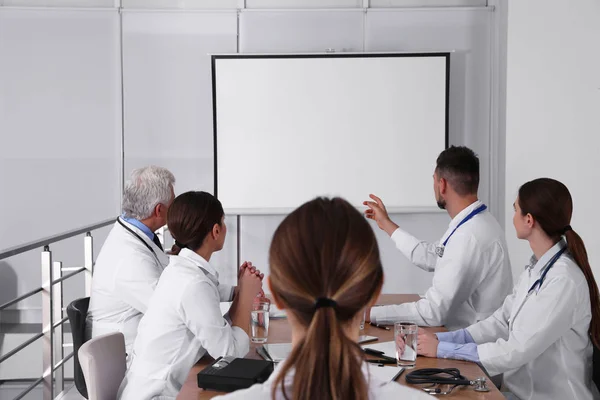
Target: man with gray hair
x: 132, y: 258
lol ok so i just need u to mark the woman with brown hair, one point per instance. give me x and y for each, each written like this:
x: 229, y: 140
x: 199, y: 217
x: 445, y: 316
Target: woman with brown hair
x: 184, y: 320
x: 325, y: 270
x: 541, y: 338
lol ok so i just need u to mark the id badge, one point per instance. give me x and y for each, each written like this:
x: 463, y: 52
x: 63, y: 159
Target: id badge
x: 439, y: 250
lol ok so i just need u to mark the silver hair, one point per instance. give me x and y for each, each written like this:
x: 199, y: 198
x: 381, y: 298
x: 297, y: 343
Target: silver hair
x: 147, y: 187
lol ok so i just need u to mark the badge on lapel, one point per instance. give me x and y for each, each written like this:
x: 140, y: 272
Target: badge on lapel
x: 439, y: 250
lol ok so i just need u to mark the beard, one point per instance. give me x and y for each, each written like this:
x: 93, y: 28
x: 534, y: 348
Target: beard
x: 441, y: 203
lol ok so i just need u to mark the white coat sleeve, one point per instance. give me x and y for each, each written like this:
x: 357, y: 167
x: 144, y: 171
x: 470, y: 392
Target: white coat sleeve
x: 136, y: 278
x: 201, y: 312
x: 543, y: 319
x: 226, y: 292
x: 456, y: 277
x: 420, y: 253
x: 495, y: 326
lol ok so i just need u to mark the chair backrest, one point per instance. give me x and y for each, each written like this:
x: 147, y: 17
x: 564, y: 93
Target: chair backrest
x: 77, y: 312
x: 103, y: 364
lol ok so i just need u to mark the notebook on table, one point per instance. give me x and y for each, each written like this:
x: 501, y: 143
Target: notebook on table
x: 229, y: 373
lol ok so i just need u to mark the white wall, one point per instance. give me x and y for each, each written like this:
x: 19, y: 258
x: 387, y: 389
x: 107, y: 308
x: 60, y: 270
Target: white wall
x: 168, y: 97
x: 466, y: 32
x: 166, y: 65
x: 60, y: 119
x: 167, y: 103
x: 553, y: 110
x: 60, y: 127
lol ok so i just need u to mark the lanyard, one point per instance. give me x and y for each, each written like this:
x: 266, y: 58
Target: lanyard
x: 440, y: 249
x: 540, y: 281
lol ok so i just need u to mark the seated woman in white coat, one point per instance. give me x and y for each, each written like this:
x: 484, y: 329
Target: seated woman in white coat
x: 184, y: 320
x: 541, y: 338
x: 325, y: 270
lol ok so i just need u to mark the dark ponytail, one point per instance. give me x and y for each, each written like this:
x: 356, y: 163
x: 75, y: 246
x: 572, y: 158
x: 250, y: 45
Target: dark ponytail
x: 191, y: 218
x: 325, y: 268
x: 175, y: 249
x: 579, y: 253
x: 551, y: 205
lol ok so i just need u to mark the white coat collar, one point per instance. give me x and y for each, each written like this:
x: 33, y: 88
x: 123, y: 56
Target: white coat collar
x: 463, y: 214
x: 199, y: 261
x: 536, y: 265
x: 161, y: 256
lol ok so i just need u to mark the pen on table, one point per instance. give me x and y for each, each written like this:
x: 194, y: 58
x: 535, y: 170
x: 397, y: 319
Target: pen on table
x: 373, y: 352
x: 379, y: 326
x: 398, y: 374
x: 263, y: 353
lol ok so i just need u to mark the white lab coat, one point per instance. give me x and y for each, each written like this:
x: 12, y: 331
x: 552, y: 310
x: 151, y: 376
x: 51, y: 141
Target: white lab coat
x: 470, y: 281
x: 125, y: 275
x: 378, y: 389
x: 540, y: 342
x: 182, y: 324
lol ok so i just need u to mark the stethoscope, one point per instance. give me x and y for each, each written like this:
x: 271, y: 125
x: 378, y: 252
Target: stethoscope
x: 553, y: 260
x: 439, y: 250
x: 537, y: 285
x: 437, y: 377
x: 139, y: 237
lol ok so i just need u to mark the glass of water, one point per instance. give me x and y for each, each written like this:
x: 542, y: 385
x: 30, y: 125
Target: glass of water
x: 405, y: 336
x: 362, y: 321
x: 259, y: 322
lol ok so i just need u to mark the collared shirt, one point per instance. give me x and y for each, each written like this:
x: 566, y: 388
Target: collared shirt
x: 183, y: 323
x: 458, y: 345
x: 470, y: 280
x: 140, y: 225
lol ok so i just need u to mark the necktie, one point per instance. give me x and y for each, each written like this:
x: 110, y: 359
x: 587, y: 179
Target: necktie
x: 157, y: 242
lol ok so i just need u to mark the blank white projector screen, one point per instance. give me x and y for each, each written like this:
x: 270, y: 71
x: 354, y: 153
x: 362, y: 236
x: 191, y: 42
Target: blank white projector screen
x: 289, y: 128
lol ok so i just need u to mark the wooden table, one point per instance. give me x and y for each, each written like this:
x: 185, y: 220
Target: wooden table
x: 279, y: 332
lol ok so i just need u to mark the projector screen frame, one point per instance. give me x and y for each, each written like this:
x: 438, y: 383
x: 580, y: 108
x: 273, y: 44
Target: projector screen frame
x: 283, y: 211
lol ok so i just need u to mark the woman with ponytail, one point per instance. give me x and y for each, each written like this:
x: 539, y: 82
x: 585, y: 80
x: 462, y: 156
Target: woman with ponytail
x: 184, y: 321
x: 325, y: 270
x: 542, y: 338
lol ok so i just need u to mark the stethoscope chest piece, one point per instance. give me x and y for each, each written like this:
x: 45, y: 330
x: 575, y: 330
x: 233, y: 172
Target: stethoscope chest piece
x: 480, y: 384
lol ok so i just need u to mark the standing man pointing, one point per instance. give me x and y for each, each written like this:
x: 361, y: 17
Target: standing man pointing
x: 472, y: 273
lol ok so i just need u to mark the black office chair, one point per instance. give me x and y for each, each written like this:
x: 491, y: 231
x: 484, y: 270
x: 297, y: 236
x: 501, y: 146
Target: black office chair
x: 77, y: 312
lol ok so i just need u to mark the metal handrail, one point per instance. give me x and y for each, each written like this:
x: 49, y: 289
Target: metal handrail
x: 70, y: 269
x: 13, y: 251
x: 59, y: 323
x: 61, y: 362
x: 29, y: 389
x: 20, y: 298
x: 36, y: 291
x: 52, y: 305
x: 20, y: 347
x: 31, y: 340
x: 72, y: 274
x: 53, y: 319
